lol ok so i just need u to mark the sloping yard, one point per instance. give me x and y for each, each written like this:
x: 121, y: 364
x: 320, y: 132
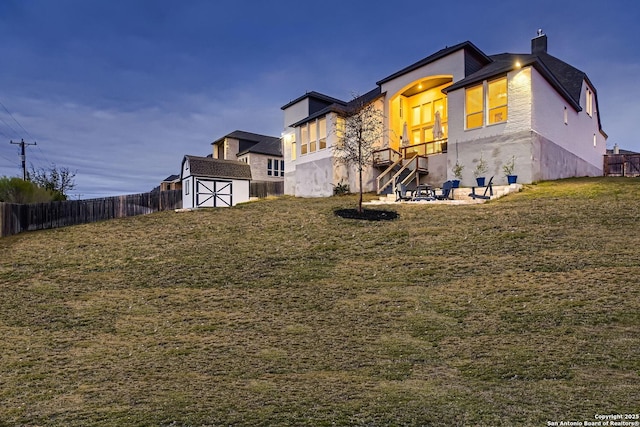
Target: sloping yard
x: 519, y: 311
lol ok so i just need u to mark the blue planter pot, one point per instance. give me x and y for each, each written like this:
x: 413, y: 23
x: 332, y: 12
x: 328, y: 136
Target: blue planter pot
x: 455, y: 183
x: 480, y: 181
x: 511, y: 179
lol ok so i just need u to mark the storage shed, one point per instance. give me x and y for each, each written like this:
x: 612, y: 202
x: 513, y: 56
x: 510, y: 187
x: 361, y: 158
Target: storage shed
x: 208, y: 182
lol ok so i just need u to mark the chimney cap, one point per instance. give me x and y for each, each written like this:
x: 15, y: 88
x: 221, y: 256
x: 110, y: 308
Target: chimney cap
x: 540, y: 33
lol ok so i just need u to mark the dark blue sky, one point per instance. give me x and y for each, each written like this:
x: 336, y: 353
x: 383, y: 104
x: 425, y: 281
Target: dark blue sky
x: 121, y: 90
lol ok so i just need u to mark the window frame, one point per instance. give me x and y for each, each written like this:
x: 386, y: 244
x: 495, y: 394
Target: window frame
x: 493, y: 108
x: 589, y: 102
x: 476, y: 113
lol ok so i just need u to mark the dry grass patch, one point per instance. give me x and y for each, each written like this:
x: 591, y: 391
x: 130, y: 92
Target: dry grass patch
x: 278, y: 312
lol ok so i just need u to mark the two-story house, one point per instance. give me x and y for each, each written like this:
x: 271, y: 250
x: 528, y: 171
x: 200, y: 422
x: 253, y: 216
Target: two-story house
x: 261, y: 152
x: 457, y: 105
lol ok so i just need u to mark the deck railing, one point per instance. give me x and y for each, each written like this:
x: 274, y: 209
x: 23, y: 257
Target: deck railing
x: 425, y: 148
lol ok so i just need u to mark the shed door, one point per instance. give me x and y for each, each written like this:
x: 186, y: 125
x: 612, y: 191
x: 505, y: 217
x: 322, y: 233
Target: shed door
x: 213, y: 193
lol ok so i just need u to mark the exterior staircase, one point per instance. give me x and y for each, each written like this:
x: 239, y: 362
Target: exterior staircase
x: 399, y: 170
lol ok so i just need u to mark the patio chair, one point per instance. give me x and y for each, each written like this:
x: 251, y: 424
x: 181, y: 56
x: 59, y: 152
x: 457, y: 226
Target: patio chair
x: 446, y: 192
x: 488, y: 187
x: 402, y: 193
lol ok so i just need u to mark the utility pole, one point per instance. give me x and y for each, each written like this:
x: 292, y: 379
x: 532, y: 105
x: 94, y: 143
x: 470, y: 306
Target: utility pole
x: 23, y: 156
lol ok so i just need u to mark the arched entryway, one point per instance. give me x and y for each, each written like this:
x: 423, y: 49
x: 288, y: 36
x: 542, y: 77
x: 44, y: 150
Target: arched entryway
x: 418, y: 117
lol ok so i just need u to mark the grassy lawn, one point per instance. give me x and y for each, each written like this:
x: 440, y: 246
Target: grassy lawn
x: 515, y: 312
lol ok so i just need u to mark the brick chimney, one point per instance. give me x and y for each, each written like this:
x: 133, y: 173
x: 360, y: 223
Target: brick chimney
x: 539, y: 43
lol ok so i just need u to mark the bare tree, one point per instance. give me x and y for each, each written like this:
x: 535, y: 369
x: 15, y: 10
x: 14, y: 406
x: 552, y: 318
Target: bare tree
x: 358, y: 130
x: 59, y: 181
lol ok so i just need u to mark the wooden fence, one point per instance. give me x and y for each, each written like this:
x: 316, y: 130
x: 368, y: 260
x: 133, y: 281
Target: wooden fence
x: 15, y: 218
x: 263, y: 189
x: 622, y: 165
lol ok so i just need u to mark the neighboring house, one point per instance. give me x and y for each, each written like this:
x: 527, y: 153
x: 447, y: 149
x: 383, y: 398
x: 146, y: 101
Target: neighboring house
x: 172, y: 182
x: 208, y: 182
x: 261, y: 152
x: 619, y: 162
x: 457, y: 104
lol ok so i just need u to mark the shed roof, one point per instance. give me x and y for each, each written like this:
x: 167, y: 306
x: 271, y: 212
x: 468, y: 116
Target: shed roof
x: 215, y: 168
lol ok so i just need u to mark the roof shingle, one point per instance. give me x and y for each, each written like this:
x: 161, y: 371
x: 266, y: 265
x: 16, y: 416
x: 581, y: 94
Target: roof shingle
x: 215, y: 168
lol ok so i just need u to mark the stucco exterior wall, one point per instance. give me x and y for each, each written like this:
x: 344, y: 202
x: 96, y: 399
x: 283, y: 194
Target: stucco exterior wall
x: 577, y: 135
x: 296, y: 112
x: 314, y: 178
x: 437, y: 165
x: 556, y: 162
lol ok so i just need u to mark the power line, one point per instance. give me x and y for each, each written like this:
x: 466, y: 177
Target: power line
x: 17, y: 122
x: 9, y: 126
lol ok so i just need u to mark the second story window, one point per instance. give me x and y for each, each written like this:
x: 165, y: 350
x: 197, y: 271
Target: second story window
x: 313, y: 136
x: 589, y: 102
x: 497, y: 100
x: 474, y: 104
x: 304, y: 139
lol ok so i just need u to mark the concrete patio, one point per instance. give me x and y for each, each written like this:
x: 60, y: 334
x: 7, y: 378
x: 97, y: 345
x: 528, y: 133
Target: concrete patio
x: 460, y: 196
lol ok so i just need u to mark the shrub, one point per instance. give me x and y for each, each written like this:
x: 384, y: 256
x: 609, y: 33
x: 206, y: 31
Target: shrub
x: 16, y: 190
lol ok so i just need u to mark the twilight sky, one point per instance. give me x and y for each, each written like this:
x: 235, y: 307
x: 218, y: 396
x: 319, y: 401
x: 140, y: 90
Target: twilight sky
x: 121, y: 90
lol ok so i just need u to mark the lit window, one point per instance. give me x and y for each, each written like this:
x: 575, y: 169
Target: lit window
x: 304, y: 136
x: 475, y: 107
x: 427, y: 113
x: 415, y: 116
x: 497, y: 91
x: 589, y: 102
x: 340, y: 131
x: 313, y: 137
x: 322, y: 133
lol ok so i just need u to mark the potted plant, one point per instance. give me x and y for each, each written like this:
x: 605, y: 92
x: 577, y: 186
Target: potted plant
x: 481, y: 168
x: 508, y: 168
x: 457, y: 172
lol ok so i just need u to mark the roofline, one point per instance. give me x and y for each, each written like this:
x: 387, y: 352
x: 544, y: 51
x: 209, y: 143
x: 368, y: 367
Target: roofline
x: 434, y: 57
x: 338, y: 109
x: 533, y: 62
x: 249, y: 150
x: 243, y: 131
x: 316, y: 95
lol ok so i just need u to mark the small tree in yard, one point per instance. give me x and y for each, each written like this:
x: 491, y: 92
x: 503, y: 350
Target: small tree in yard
x: 59, y: 181
x: 360, y: 127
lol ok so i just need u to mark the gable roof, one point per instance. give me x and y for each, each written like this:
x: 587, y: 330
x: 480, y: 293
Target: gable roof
x: 259, y: 144
x: 467, y: 45
x: 215, y: 168
x: 565, y: 79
